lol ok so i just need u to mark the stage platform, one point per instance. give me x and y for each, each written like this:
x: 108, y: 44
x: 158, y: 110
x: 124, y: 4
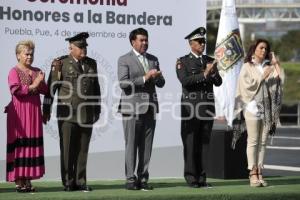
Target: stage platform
x: 281, y: 188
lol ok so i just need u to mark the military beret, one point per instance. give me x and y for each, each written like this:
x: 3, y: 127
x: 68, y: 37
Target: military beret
x: 196, y: 34
x: 79, y: 40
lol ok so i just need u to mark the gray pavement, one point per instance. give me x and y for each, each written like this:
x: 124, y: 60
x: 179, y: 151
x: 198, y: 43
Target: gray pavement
x: 284, y: 153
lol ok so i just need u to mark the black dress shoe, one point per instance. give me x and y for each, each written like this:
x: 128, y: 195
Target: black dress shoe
x: 84, y: 188
x: 131, y: 186
x: 194, y: 185
x: 145, y: 186
x: 69, y: 188
x: 205, y: 185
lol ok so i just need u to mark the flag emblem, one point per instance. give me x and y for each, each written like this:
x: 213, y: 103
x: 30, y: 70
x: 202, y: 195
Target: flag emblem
x: 229, y: 51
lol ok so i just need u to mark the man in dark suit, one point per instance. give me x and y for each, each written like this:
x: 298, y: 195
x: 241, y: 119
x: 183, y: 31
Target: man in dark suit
x: 138, y: 74
x: 197, y: 73
x: 75, y: 78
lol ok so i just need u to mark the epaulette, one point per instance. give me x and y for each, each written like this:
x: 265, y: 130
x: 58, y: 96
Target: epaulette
x: 183, y: 57
x: 179, y: 63
x: 56, y: 64
x: 189, y: 56
x: 90, y: 59
x: 186, y: 56
x: 61, y: 57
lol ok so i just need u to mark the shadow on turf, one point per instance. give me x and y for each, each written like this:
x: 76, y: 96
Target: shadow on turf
x: 61, y: 189
x: 271, y: 180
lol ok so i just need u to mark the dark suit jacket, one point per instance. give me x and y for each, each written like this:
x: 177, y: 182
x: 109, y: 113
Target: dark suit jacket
x: 136, y: 95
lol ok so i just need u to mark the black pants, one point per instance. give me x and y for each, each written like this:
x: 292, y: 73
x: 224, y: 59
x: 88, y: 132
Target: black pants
x: 74, y: 147
x: 195, y: 134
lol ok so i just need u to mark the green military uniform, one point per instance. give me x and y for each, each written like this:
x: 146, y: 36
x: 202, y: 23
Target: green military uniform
x: 78, y: 107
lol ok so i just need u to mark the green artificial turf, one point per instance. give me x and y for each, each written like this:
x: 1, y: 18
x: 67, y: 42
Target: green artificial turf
x: 281, y: 188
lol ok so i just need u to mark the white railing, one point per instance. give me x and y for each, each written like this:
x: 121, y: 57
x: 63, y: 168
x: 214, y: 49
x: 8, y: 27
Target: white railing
x: 214, y: 3
x: 258, y: 11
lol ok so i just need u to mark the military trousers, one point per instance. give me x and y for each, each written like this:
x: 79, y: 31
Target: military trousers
x: 195, y: 135
x: 74, y: 146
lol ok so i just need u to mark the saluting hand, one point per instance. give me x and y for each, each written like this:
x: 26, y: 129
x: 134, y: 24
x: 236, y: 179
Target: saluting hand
x: 275, y: 62
x: 273, y: 58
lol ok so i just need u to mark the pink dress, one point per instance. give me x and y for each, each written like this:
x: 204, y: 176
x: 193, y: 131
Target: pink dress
x: 25, y: 151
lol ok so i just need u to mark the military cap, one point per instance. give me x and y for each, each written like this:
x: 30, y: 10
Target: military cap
x: 196, y: 34
x: 79, y: 40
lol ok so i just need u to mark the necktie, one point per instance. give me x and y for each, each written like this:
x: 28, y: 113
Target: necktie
x: 144, y: 63
x: 200, y: 59
x: 79, y: 66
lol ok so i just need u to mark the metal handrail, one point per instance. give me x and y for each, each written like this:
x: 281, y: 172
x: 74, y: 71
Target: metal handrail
x: 213, y: 3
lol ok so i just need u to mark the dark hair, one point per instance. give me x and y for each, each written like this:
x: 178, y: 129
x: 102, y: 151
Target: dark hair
x: 135, y: 32
x: 252, y: 48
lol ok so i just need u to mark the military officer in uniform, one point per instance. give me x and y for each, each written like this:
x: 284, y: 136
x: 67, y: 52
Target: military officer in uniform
x: 197, y: 73
x: 74, y: 77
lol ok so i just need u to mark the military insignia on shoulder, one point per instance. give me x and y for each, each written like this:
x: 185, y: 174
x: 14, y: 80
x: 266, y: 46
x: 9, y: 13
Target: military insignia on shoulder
x: 57, y: 64
x: 178, y: 64
x: 62, y: 57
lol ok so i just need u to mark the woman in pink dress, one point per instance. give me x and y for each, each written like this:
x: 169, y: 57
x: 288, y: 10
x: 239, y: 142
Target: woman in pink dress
x: 25, y: 152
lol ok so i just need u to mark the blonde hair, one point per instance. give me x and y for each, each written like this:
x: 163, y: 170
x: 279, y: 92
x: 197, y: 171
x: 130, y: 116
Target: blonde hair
x: 29, y: 44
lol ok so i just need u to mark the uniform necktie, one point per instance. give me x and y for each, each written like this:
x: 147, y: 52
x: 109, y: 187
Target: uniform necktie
x: 78, y: 65
x: 200, y: 59
x: 81, y: 65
